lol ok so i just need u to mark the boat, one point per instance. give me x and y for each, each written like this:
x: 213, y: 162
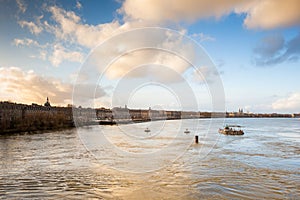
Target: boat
x: 231, y: 130
x: 106, y: 122
x: 186, y: 131
x: 147, y: 130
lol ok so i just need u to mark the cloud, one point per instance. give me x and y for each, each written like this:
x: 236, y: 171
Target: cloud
x: 60, y: 54
x: 87, y: 94
x: 290, y: 103
x: 70, y: 28
x: 33, y: 28
x: 41, y: 48
x: 266, y: 14
x: 203, y: 37
x: 143, y: 47
x: 42, y: 55
x: 78, y: 5
x: 268, y: 46
x: 159, y: 11
x: 25, y: 42
x: 27, y: 87
x: 205, y: 74
x: 128, y: 65
x: 269, y: 14
x: 21, y: 5
x: 275, y: 49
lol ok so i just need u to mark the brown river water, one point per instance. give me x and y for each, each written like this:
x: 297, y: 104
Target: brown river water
x: 132, y: 164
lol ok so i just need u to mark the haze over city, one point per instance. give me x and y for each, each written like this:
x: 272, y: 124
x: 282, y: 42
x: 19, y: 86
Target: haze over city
x: 255, y: 46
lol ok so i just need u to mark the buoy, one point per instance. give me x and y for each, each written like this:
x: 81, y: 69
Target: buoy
x: 196, y: 139
x: 147, y: 130
x: 186, y: 131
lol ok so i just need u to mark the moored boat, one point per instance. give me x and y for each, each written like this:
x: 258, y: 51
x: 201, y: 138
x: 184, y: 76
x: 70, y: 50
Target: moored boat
x: 231, y: 130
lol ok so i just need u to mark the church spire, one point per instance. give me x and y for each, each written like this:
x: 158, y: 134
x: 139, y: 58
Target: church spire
x: 47, y: 103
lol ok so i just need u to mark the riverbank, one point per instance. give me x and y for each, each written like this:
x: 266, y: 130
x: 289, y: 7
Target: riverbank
x: 70, y: 125
x: 35, y: 129
x: 16, y: 118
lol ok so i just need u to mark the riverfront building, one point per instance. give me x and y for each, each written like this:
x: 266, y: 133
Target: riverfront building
x: 16, y: 117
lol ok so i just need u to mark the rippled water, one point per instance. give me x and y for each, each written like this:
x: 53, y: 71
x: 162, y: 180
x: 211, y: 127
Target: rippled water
x: 264, y: 163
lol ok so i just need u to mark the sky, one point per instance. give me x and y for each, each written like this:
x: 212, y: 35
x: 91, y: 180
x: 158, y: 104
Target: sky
x: 56, y: 49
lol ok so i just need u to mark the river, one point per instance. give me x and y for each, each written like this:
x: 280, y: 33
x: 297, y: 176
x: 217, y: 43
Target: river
x: 162, y: 164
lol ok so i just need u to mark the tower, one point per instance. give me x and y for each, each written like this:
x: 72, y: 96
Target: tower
x: 47, y: 103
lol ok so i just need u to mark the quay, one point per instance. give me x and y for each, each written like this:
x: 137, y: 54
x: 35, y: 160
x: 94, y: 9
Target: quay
x: 15, y: 117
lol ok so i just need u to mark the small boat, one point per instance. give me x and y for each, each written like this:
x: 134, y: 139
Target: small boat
x: 147, y: 130
x: 231, y: 130
x: 187, y: 131
x: 106, y: 122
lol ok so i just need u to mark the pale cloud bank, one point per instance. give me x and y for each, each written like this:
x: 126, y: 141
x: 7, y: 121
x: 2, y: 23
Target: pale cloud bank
x: 27, y: 87
x: 289, y: 103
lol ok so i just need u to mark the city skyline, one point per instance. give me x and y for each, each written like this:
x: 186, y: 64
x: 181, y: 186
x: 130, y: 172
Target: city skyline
x: 254, y: 45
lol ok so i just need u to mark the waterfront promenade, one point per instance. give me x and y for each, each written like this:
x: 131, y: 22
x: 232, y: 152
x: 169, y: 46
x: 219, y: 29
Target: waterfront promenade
x: 15, y: 117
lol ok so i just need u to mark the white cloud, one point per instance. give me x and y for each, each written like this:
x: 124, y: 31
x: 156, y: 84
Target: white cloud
x: 160, y: 47
x: 42, y: 55
x: 21, y: 5
x: 25, y: 42
x: 61, y: 54
x: 70, y: 28
x: 58, y: 55
x: 33, y: 28
x: 78, y: 5
x: 290, y: 103
x: 127, y: 65
x: 203, y: 37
